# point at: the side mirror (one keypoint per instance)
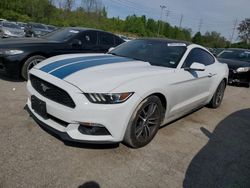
(110, 49)
(76, 43)
(196, 67)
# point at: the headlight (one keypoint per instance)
(243, 69)
(7, 32)
(10, 52)
(108, 98)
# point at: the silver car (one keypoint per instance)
(10, 29)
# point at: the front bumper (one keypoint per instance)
(238, 78)
(11, 65)
(114, 117)
(62, 135)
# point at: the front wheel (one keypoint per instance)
(218, 95)
(29, 64)
(144, 123)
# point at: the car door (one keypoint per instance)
(192, 88)
(106, 41)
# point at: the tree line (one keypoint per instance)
(92, 13)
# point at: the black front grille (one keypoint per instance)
(51, 91)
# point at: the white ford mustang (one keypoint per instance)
(125, 95)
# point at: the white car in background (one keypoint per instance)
(127, 94)
(10, 29)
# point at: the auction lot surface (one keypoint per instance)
(209, 148)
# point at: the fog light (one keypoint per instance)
(93, 129)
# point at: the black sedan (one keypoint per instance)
(18, 56)
(238, 61)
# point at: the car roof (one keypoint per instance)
(86, 28)
(167, 40)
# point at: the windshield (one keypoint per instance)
(158, 53)
(61, 35)
(240, 55)
(39, 26)
(11, 25)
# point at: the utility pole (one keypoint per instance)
(181, 21)
(167, 15)
(160, 23)
(200, 25)
(234, 28)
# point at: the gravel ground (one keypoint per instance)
(208, 148)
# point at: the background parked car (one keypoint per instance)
(51, 28)
(217, 51)
(36, 30)
(1, 19)
(22, 25)
(10, 29)
(17, 56)
(238, 61)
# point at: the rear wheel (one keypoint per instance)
(29, 64)
(218, 95)
(144, 123)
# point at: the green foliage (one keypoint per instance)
(244, 30)
(197, 38)
(211, 39)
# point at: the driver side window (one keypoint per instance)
(89, 38)
(199, 56)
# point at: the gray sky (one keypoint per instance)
(216, 15)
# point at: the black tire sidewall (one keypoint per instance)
(213, 103)
(24, 72)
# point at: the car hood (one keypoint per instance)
(21, 42)
(99, 72)
(234, 64)
(42, 30)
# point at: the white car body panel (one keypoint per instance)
(183, 90)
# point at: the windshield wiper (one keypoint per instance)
(112, 53)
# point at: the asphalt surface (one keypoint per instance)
(208, 148)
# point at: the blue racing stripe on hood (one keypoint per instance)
(70, 69)
(57, 64)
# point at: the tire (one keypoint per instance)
(144, 123)
(29, 63)
(218, 95)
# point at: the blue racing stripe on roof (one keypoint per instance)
(70, 69)
(59, 63)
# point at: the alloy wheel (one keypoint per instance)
(147, 122)
(220, 93)
(33, 63)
